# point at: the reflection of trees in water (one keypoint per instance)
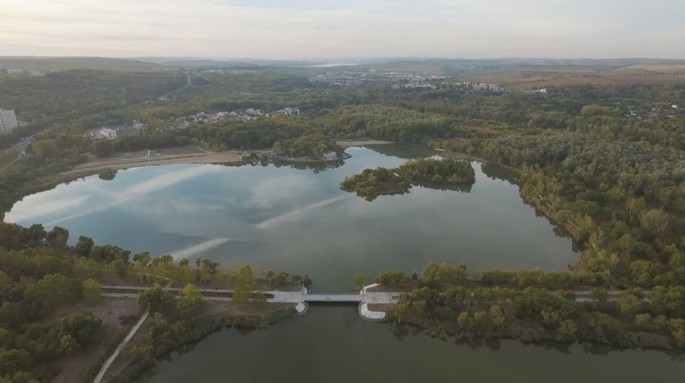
(404, 151)
(402, 331)
(315, 166)
(463, 188)
(497, 172)
(107, 175)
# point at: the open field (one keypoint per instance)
(602, 74)
(656, 68)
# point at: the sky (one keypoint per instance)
(314, 29)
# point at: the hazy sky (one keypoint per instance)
(349, 28)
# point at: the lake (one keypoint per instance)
(299, 220)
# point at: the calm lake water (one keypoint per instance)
(299, 220)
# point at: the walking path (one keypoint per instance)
(120, 347)
(10, 164)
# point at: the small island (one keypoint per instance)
(442, 174)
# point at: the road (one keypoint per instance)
(19, 147)
(10, 164)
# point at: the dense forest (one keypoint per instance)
(605, 163)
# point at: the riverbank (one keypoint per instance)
(532, 332)
(173, 156)
(188, 155)
(347, 143)
(148, 346)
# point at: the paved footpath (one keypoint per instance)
(120, 347)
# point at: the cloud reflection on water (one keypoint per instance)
(117, 198)
(199, 248)
(291, 215)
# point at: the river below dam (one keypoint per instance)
(332, 344)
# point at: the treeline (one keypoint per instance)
(535, 306)
(384, 122)
(442, 276)
(621, 202)
(310, 146)
(446, 174)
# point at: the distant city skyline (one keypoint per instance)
(307, 29)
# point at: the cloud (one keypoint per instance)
(308, 28)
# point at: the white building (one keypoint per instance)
(107, 133)
(288, 111)
(254, 112)
(8, 121)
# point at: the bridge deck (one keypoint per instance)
(332, 298)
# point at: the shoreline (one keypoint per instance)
(347, 143)
(120, 164)
(202, 157)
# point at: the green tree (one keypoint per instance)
(189, 303)
(85, 268)
(12, 361)
(103, 148)
(155, 299)
(243, 280)
(358, 281)
(431, 273)
(58, 238)
(464, 321)
(628, 303)
(68, 345)
(120, 268)
(599, 294)
(45, 148)
(92, 291)
(83, 327)
(83, 246)
(567, 330)
(643, 320)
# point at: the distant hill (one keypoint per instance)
(199, 62)
(49, 64)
